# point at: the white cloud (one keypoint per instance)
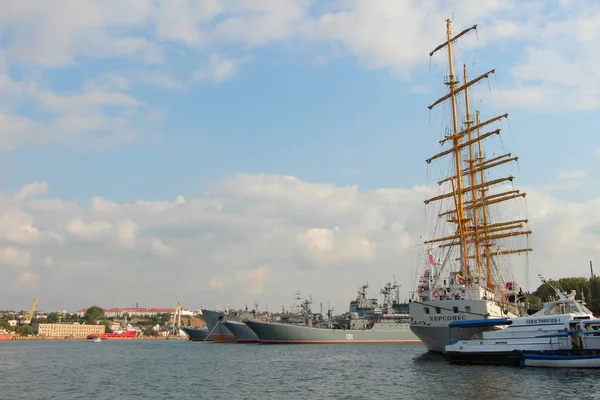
(48, 261)
(89, 98)
(96, 115)
(572, 174)
(317, 239)
(216, 283)
(565, 229)
(555, 72)
(253, 279)
(91, 230)
(17, 227)
(557, 65)
(32, 189)
(113, 81)
(16, 131)
(180, 20)
(161, 249)
(258, 238)
(13, 256)
(298, 229)
(218, 68)
(262, 22)
(127, 232)
(330, 246)
(161, 80)
(27, 278)
(53, 34)
(101, 205)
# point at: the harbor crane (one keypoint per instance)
(26, 319)
(177, 319)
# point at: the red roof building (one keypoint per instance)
(137, 312)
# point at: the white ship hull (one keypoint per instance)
(432, 326)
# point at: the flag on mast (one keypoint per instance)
(430, 257)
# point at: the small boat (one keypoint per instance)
(5, 335)
(123, 333)
(96, 339)
(557, 360)
(562, 328)
(585, 352)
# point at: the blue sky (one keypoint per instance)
(335, 123)
(146, 101)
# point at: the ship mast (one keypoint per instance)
(474, 230)
(482, 193)
(472, 177)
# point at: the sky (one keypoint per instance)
(225, 153)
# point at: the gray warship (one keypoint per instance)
(216, 329)
(241, 331)
(196, 334)
(366, 323)
(226, 326)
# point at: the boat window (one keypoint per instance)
(426, 310)
(455, 309)
(570, 307)
(468, 309)
(438, 310)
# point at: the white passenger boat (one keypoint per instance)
(554, 330)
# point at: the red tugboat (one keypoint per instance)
(126, 333)
(5, 335)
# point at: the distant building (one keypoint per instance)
(77, 331)
(137, 312)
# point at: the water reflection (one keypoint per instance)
(66, 370)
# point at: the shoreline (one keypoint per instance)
(83, 338)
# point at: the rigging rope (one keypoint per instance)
(213, 329)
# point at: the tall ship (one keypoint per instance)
(367, 322)
(467, 273)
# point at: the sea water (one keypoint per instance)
(179, 369)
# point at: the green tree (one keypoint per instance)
(165, 317)
(594, 297)
(53, 318)
(534, 302)
(4, 324)
(148, 331)
(93, 314)
(580, 285)
(106, 326)
(26, 330)
(70, 317)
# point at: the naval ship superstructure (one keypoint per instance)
(366, 322)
